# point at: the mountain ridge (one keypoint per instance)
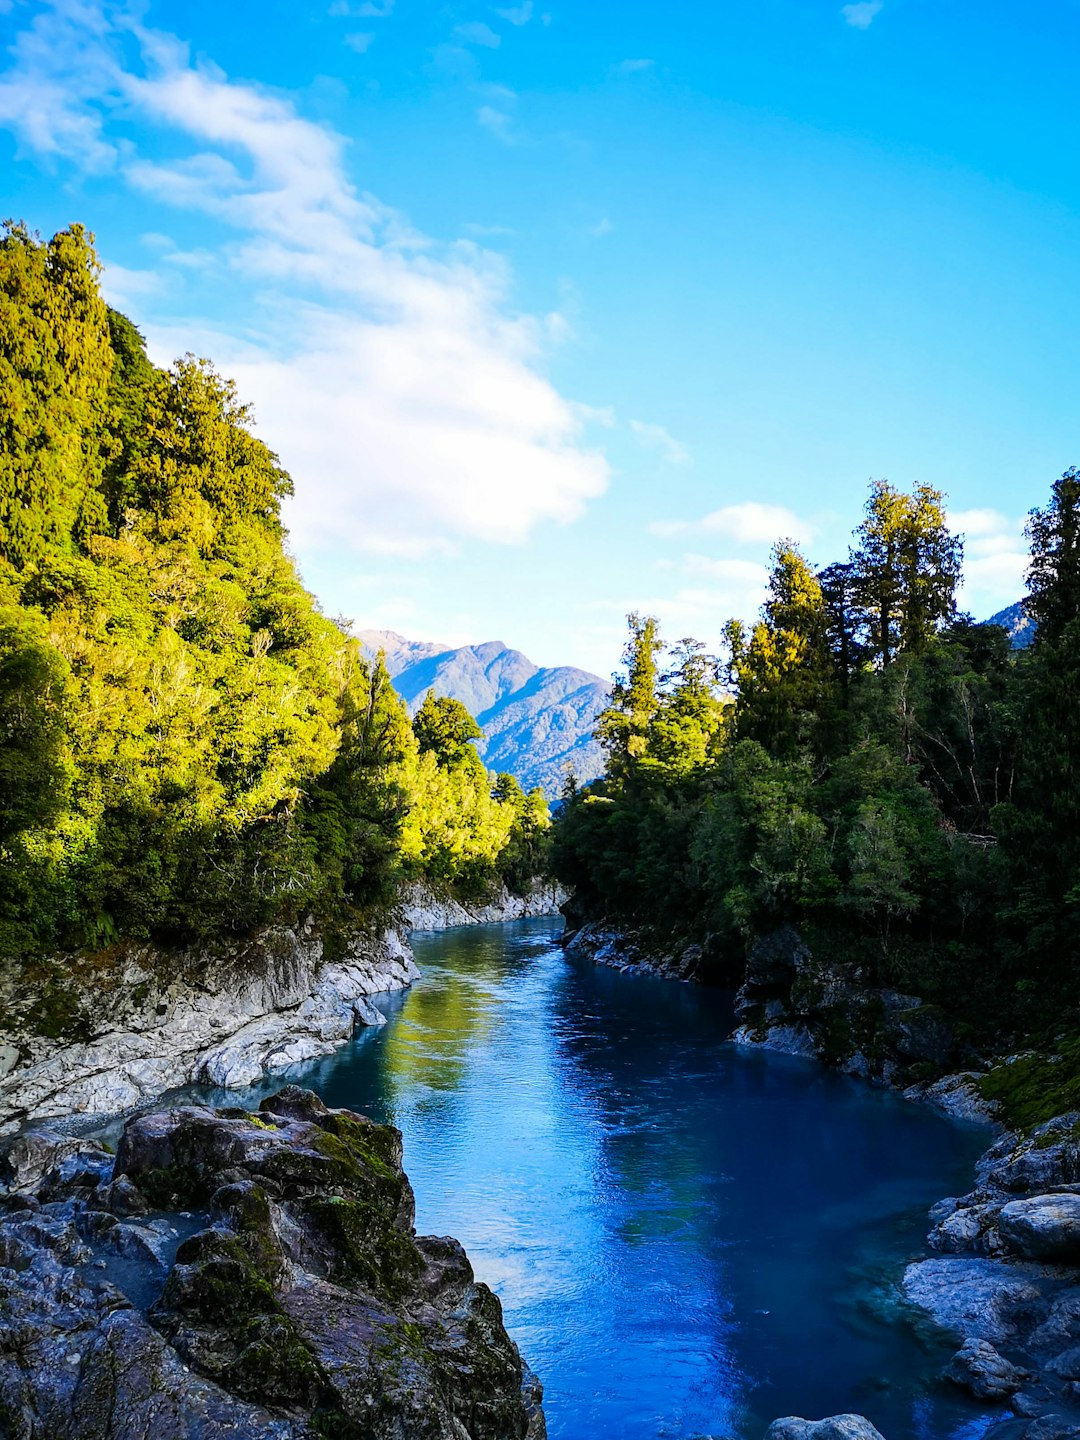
(537, 719)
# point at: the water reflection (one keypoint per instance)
(688, 1239)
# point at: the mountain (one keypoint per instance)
(537, 721)
(1021, 629)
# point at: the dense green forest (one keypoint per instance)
(187, 746)
(864, 763)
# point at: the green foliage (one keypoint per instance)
(891, 778)
(187, 746)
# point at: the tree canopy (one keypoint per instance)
(187, 746)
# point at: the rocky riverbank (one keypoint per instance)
(797, 1002)
(422, 908)
(132, 1023)
(102, 1034)
(631, 952)
(255, 1275)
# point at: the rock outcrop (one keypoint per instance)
(149, 1022)
(797, 1002)
(421, 908)
(625, 950)
(835, 1427)
(251, 1275)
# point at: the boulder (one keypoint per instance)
(305, 1306)
(978, 1368)
(981, 1299)
(835, 1427)
(1043, 1227)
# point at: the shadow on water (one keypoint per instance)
(688, 1239)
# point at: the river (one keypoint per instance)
(689, 1239)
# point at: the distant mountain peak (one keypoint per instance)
(537, 721)
(1016, 622)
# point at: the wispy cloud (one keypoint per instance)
(362, 9)
(517, 14)
(389, 373)
(655, 437)
(487, 231)
(475, 32)
(749, 523)
(360, 40)
(497, 121)
(632, 67)
(861, 14)
(602, 227)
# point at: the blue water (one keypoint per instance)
(688, 1239)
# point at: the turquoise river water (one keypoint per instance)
(689, 1239)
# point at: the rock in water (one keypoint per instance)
(978, 1368)
(835, 1427)
(306, 1306)
(1043, 1227)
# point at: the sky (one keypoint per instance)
(557, 309)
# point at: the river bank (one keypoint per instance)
(94, 1035)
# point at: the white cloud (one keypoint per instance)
(748, 523)
(475, 32)
(655, 437)
(497, 121)
(517, 14)
(126, 289)
(360, 40)
(402, 392)
(861, 13)
(602, 227)
(632, 67)
(698, 609)
(995, 559)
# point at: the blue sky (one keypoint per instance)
(555, 310)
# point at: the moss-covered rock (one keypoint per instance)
(309, 1294)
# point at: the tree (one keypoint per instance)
(907, 566)
(55, 364)
(444, 728)
(1053, 577)
(784, 670)
(839, 593)
(623, 726)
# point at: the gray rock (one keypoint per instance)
(1067, 1364)
(980, 1299)
(267, 1005)
(835, 1427)
(978, 1368)
(1053, 1427)
(28, 1158)
(306, 1304)
(1061, 1326)
(1045, 1159)
(1042, 1227)
(422, 909)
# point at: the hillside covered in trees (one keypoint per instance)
(187, 746)
(891, 778)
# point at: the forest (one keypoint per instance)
(866, 764)
(188, 747)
